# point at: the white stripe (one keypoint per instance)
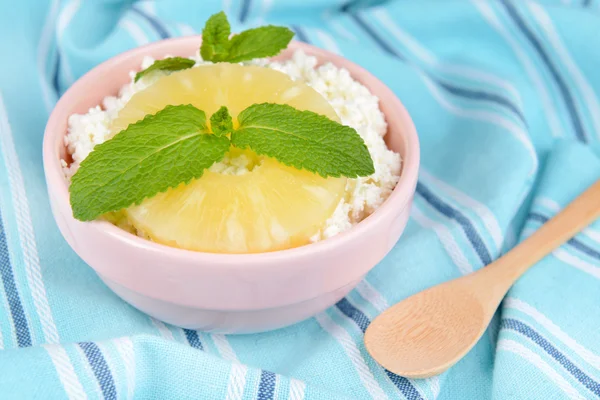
(549, 110)
(227, 6)
(26, 233)
(408, 41)
(446, 238)
(585, 354)
(224, 348)
(343, 32)
(488, 117)
(42, 55)
(345, 340)
(186, 30)
(124, 346)
(429, 58)
(370, 294)
(548, 203)
(540, 364)
(327, 40)
(147, 6)
(592, 234)
(237, 381)
(487, 216)
(590, 99)
(554, 207)
(90, 373)
(577, 262)
(65, 371)
(434, 384)
(64, 18)
(163, 329)
(277, 389)
(265, 7)
(136, 33)
(296, 389)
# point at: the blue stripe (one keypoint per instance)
(266, 386)
(362, 321)
(462, 92)
(404, 385)
(574, 242)
(300, 34)
(538, 217)
(567, 364)
(353, 313)
(56, 76)
(562, 86)
(483, 96)
(193, 339)
(244, 10)
(158, 26)
(459, 217)
(12, 294)
(357, 4)
(100, 369)
(375, 37)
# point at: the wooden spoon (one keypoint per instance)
(430, 331)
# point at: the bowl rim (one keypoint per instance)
(400, 196)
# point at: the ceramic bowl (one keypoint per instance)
(227, 293)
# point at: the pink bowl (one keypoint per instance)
(228, 293)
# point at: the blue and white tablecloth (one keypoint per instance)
(505, 96)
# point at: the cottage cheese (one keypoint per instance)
(353, 102)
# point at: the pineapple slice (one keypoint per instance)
(271, 207)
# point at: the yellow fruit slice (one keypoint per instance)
(272, 207)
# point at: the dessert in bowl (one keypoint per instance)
(219, 282)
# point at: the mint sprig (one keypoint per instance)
(217, 46)
(175, 146)
(265, 41)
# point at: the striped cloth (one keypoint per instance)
(505, 96)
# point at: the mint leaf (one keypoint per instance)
(167, 64)
(150, 156)
(266, 41)
(221, 122)
(215, 38)
(304, 140)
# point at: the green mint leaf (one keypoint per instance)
(266, 41)
(154, 154)
(167, 64)
(221, 122)
(303, 139)
(215, 38)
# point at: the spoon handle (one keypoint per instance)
(562, 227)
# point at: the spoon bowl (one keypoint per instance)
(437, 326)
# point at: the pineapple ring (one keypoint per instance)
(272, 207)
